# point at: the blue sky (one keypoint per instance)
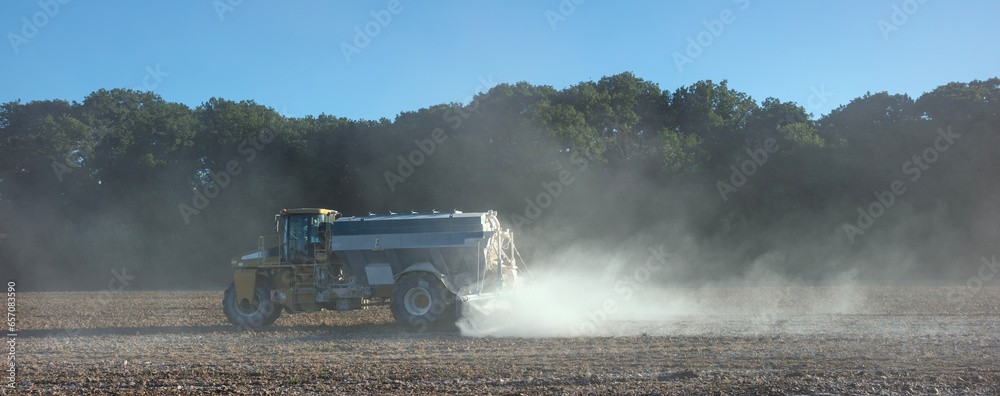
(288, 55)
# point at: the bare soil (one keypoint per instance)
(888, 340)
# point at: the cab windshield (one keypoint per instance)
(301, 233)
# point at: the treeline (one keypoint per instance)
(887, 186)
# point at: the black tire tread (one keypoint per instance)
(265, 316)
(441, 300)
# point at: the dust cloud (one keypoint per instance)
(587, 291)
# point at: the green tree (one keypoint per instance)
(717, 115)
(869, 114)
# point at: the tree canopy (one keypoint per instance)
(125, 179)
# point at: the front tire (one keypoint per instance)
(420, 299)
(261, 312)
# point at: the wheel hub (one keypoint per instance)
(417, 301)
(247, 307)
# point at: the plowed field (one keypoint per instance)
(890, 340)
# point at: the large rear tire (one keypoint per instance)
(420, 299)
(261, 312)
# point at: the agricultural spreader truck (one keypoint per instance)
(424, 266)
